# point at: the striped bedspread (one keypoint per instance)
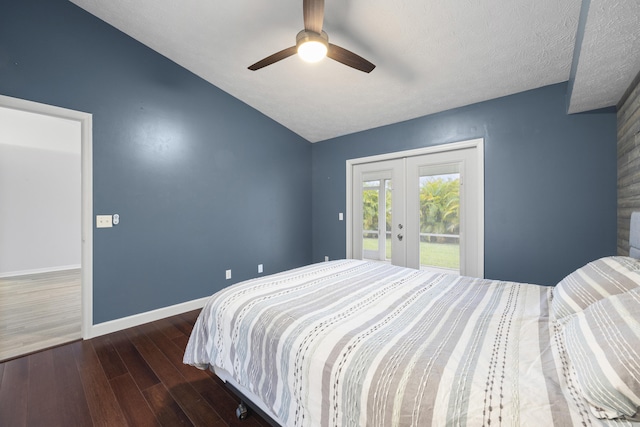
(355, 343)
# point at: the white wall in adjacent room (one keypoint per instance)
(40, 193)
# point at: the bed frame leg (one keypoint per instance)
(242, 411)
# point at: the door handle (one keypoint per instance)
(400, 236)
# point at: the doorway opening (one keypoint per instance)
(47, 243)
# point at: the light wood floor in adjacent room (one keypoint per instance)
(38, 311)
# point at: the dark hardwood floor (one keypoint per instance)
(133, 377)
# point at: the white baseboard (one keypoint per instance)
(39, 270)
(142, 318)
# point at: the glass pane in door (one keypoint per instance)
(440, 222)
(387, 233)
(370, 210)
(376, 220)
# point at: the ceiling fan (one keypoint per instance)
(312, 44)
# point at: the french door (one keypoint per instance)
(379, 211)
(421, 211)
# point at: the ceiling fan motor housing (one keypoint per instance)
(305, 36)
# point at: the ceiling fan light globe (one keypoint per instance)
(312, 51)
(311, 46)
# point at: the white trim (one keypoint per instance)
(480, 184)
(348, 210)
(86, 126)
(40, 270)
(471, 143)
(142, 318)
(477, 143)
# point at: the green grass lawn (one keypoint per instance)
(444, 255)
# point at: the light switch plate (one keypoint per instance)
(104, 221)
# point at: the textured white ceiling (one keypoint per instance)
(431, 55)
(609, 57)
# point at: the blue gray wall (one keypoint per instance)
(550, 181)
(202, 182)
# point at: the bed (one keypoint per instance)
(357, 343)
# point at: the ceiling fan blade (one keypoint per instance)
(313, 11)
(349, 58)
(278, 56)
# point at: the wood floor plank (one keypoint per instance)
(180, 324)
(196, 408)
(109, 357)
(184, 324)
(13, 393)
(140, 371)
(42, 407)
(172, 352)
(68, 387)
(189, 316)
(168, 328)
(167, 411)
(133, 404)
(214, 392)
(199, 411)
(156, 360)
(181, 342)
(218, 396)
(103, 406)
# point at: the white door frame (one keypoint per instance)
(472, 143)
(86, 123)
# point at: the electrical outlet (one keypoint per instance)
(104, 221)
(260, 268)
(228, 274)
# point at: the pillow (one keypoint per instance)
(603, 347)
(593, 282)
